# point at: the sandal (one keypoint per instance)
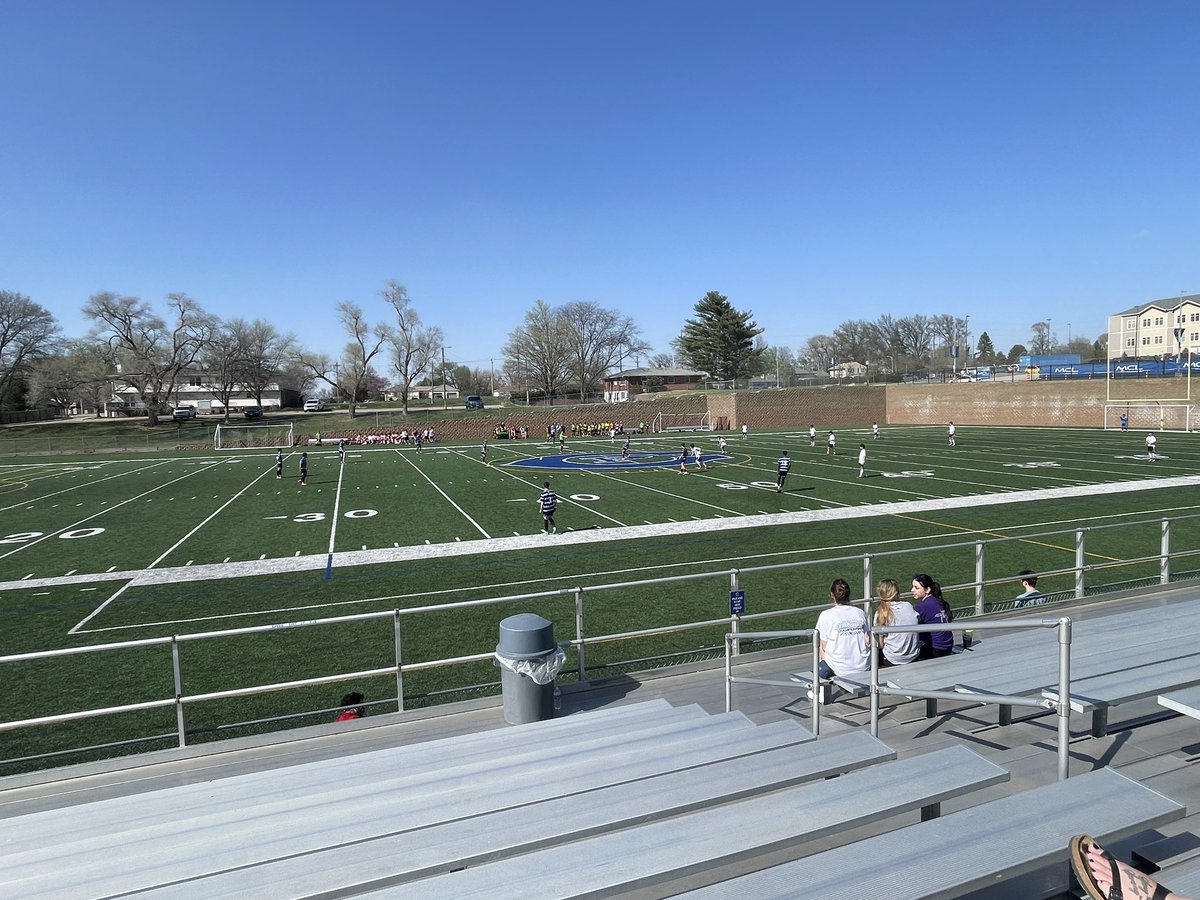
(1080, 847)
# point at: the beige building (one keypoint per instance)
(1158, 328)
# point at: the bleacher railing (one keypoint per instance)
(1163, 565)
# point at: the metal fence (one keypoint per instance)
(975, 595)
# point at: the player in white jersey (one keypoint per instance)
(874, 431)
(950, 434)
(862, 460)
(812, 435)
(831, 445)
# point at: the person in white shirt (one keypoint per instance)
(812, 435)
(843, 630)
(831, 445)
(874, 431)
(862, 460)
(1152, 447)
(950, 434)
(897, 649)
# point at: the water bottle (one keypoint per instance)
(557, 699)
(967, 639)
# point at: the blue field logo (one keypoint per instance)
(639, 459)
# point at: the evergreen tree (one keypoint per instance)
(720, 339)
(985, 353)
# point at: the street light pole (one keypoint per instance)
(444, 407)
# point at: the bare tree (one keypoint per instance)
(223, 362)
(1043, 340)
(819, 353)
(267, 353)
(597, 339)
(413, 346)
(537, 353)
(916, 337)
(27, 333)
(81, 376)
(150, 351)
(662, 361)
(364, 345)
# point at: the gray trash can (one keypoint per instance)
(528, 659)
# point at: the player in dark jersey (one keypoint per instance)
(549, 503)
(782, 467)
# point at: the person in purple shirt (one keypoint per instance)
(932, 610)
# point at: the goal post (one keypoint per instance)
(1150, 415)
(242, 437)
(664, 422)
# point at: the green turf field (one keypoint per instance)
(119, 548)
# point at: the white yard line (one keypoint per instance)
(99, 609)
(102, 512)
(337, 502)
(87, 484)
(435, 486)
(208, 519)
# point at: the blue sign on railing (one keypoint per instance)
(737, 603)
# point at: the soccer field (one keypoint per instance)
(118, 548)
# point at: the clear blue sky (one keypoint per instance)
(813, 161)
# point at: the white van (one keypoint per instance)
(316, 404)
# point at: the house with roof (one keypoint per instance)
(631, 382)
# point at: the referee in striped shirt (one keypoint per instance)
(783, 466)
(549, 502)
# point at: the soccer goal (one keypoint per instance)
(682, 422)
(1150, 416)
(240, 437)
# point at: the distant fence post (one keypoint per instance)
(180, 715)
(581, 667)
(734, 621)
(979, 569)
(868, 576)
(1164, 562)
(399, 656)
(1079, 562)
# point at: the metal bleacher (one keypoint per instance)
(643, 787)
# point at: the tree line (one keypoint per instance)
(554, 351)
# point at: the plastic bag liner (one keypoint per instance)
(541, 670)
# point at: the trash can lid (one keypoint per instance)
(526, 636)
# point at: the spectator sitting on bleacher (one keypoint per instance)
(353, 707)
(931, 610)
(897, 649)
(1105, 877)
(843, 631)
(1032, 596)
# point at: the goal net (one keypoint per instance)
(239, 437)
(1150, 416)
(681, 422)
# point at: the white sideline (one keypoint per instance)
(318, 562)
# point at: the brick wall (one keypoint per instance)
(1078, 403)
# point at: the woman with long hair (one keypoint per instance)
(932, 610)
(895, 649)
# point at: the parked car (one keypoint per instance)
(474, 402)
(315, 404)
(183, 413)
(252, 412)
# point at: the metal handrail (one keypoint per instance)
(581, 641)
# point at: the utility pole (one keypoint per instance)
(492, 362)
(444, 377)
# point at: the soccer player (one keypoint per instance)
(625, 451)
(812, 435)
(417, 439)
(698, 456)
(782, 467)
(683, 458)
(1152, 447)
(1124, 422)
(342, 450)
(950, 434)
(831, 445)
(721, 444)
(304, 467)
(483, 453)
(862, 460)
(745, 431)
(278, 463)
(874, 431)
(548, 503)
(562, 440)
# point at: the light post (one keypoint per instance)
(1049, 343)
(444, 407)
(967, 341)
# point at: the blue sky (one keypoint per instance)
(813, 161)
